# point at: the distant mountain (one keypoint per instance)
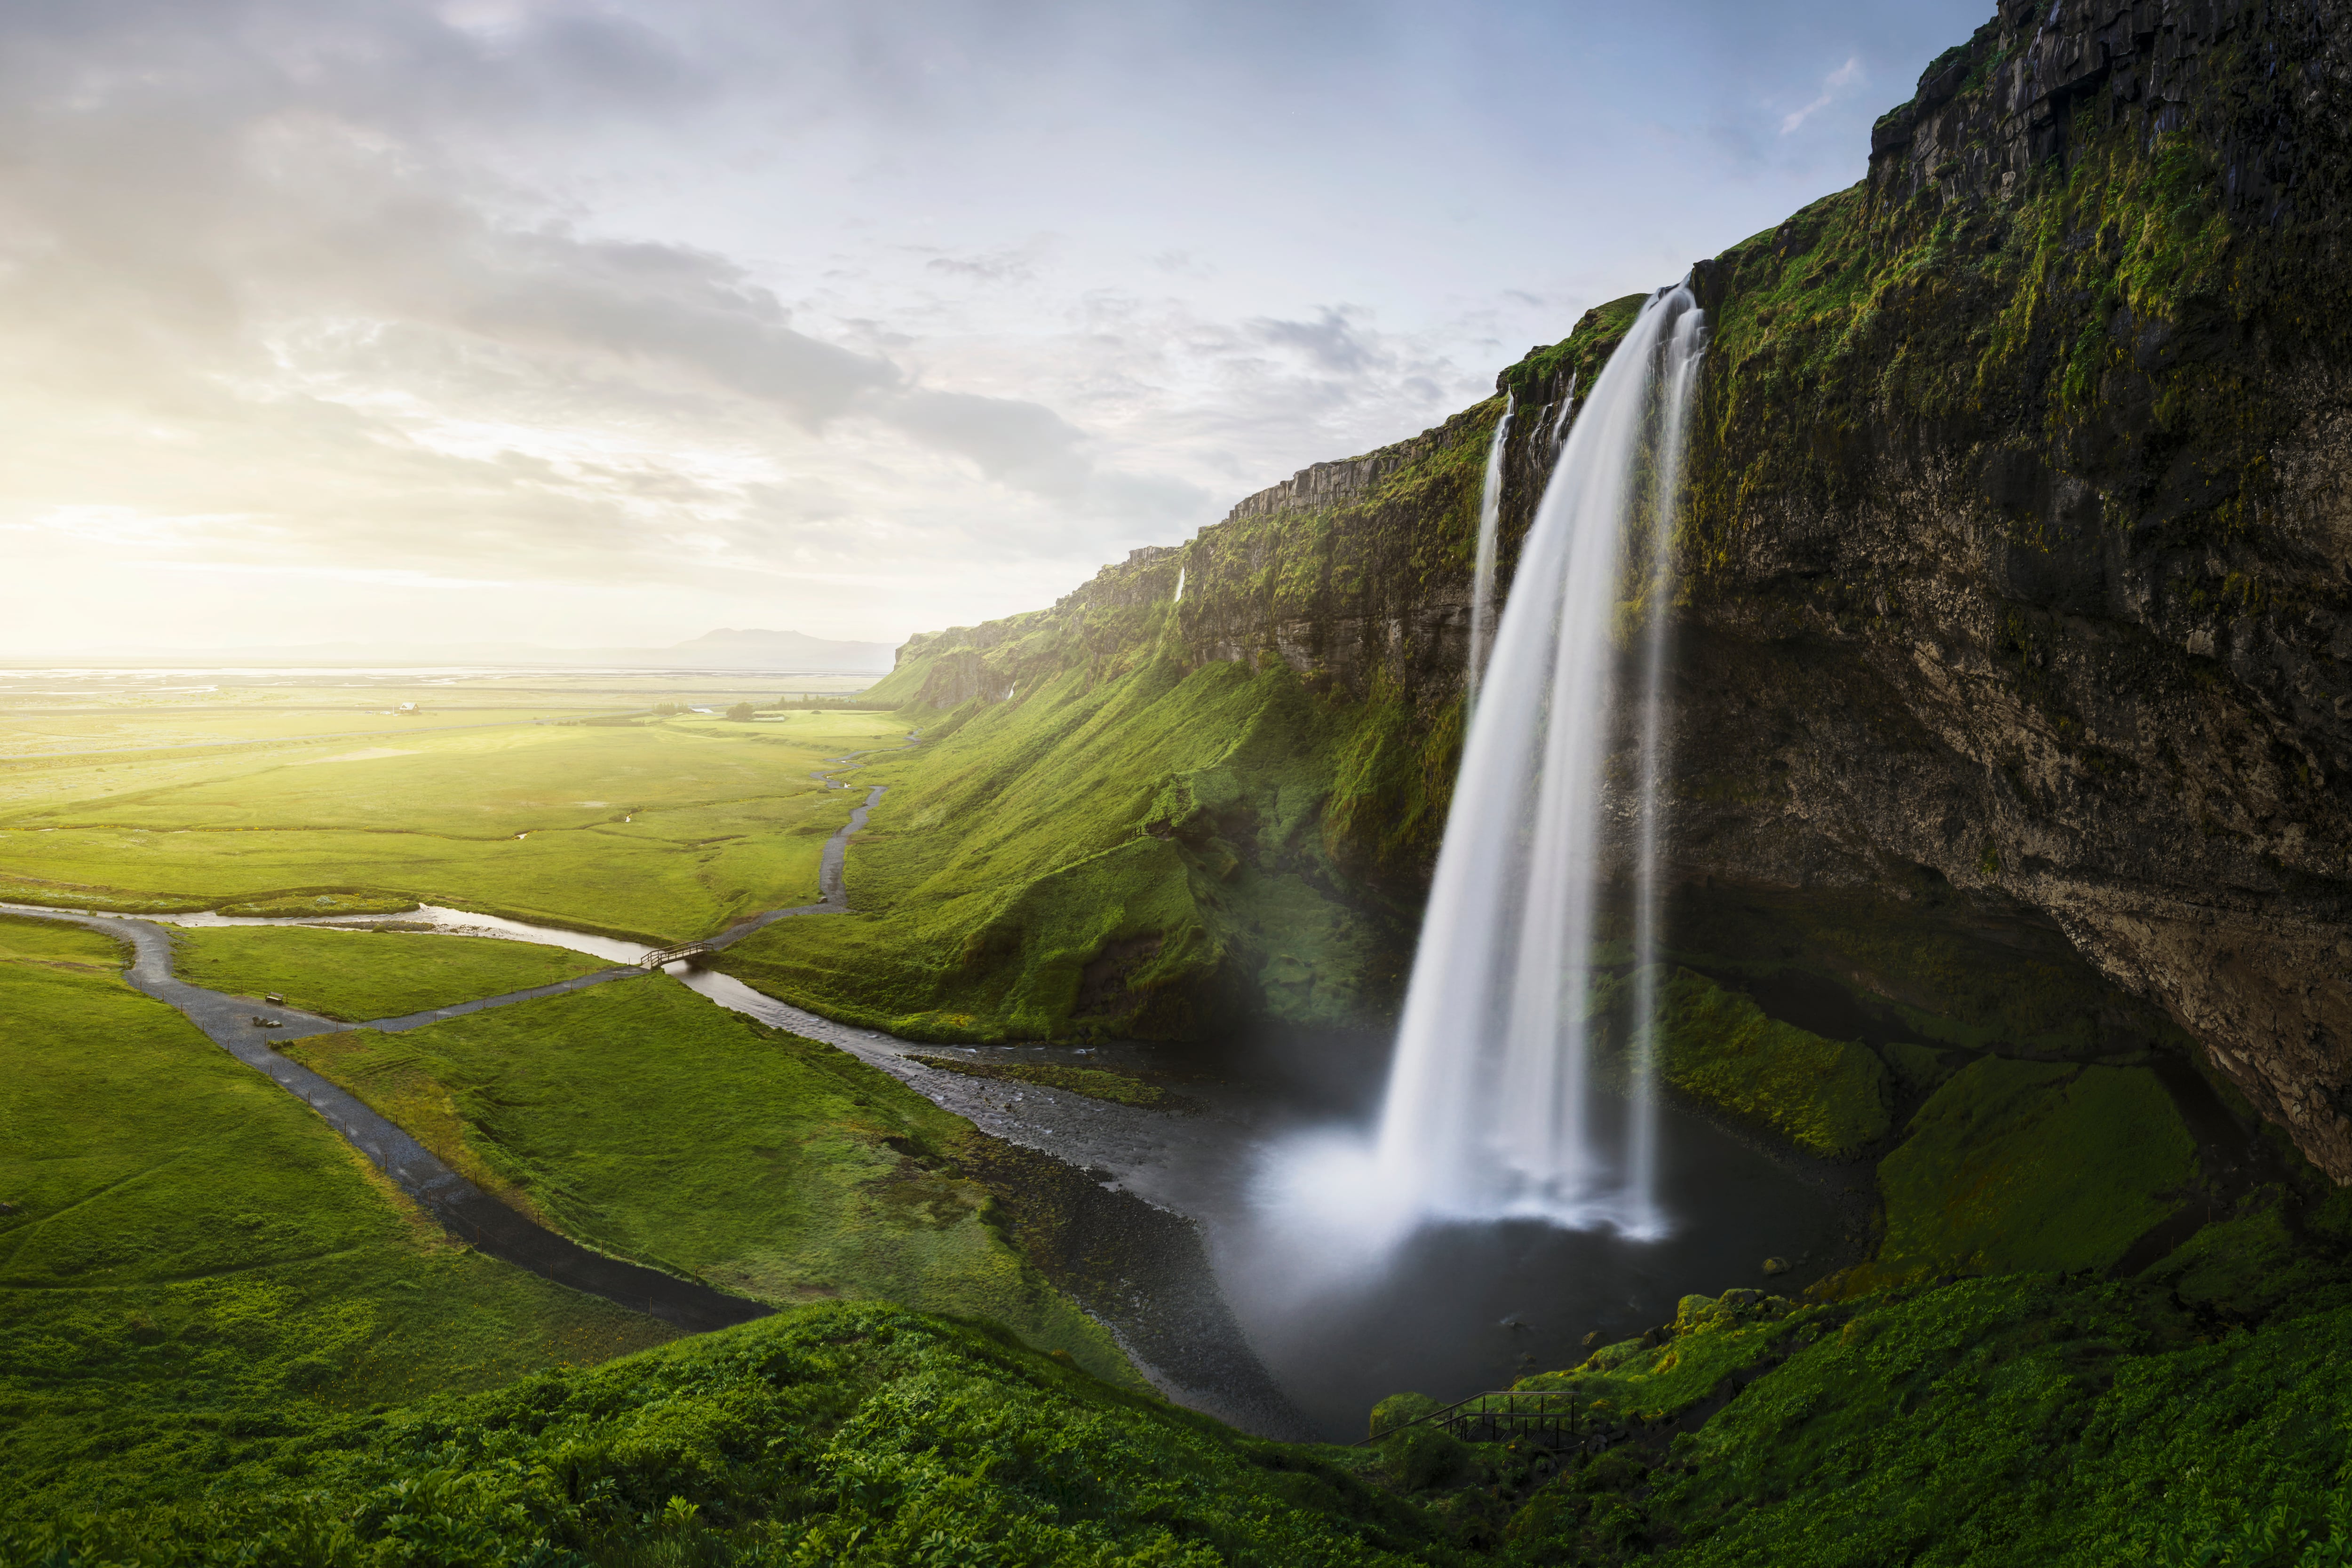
(749, 651)
(731, 648)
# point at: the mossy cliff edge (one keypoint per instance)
(2015, 551)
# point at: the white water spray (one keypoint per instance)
(1490, 1112)
(1179, 587)
(1490, 517)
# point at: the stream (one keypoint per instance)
(1222, 1299)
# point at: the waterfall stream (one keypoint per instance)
(1492, 1110)
(1490, 517)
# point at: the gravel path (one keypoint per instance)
(464, 1209)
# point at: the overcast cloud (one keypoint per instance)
(612, 323)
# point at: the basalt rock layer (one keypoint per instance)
(2015, 554)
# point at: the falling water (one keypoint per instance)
(1490, 517)
(1490, 1109)
(1179, 587)
(1567, 407)
(1682, 350)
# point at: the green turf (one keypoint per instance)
(2031, 1165)
(1828, 1097)
(185, 1245)
(362, 975)
(644, 1121)
(1113, 856)
(662, 831)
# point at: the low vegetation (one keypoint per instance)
(361, 974)
(190, 1260)
(846, 1437)
(643, 1121)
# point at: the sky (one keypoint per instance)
(590, 324)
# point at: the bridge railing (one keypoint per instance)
(1543, 1418)
(660, 956)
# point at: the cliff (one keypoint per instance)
(2014, 563)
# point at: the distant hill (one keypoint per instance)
(731, 648)
(747, 650)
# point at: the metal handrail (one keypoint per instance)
(1444, 1411)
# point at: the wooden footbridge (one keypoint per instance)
(1547, 1419)
(660, 956)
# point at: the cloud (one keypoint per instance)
(1832, 86)
(1000, 266)
(681, 304)
(1331, 342)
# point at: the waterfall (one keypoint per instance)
(1683, 351)
(1179, 587)
(1567, 407)
(1490, 517)
(1490, 1110)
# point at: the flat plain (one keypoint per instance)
(361, 974)
(662, 830)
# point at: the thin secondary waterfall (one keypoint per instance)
(1682, 350)
(1567, 407)
(1490, 517)
(1491, 1109)
(1179, 587)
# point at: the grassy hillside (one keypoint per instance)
(642, 1120)
(189, 1258)
(2030, 1420)
(839, 1436)
(362, 975)
(1137, 850)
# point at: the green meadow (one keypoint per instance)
(361, 975)
(661, 830)
(642, 1120)
(188, 1256)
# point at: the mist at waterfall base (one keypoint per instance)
(1517, 1154)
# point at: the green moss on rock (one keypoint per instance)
(2029, 1165)
(1828, 1097)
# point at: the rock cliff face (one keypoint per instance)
(2018, 550)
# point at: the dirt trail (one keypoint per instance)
(464, 1209)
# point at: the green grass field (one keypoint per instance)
(644, 1121)
(357, 976)
(663, 831)
(186, 1249)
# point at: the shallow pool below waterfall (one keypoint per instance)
(1461, 1309)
